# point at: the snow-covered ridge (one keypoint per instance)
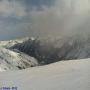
(49, 51)
(10, 60)
(10, 43)
(14, 59)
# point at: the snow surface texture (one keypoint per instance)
(10, 60)
(14, 59)
(63, 75)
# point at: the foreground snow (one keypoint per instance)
(64, 75)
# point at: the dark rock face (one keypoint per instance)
(45, 53)
(49, 52)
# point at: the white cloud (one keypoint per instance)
(8, 8)
(62, 18)
(77, 6)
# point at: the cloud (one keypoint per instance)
(47, 18)
(64, 17)
(20, 7)
(11, 8)
(77, 6)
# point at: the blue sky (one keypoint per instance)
(23, 18)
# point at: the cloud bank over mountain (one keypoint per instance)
(20, 18)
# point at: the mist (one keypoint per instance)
(53, 18)
(66, 17)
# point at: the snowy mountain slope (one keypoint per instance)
(11, 43)
(49, 51)
(10, 60)
(63, 75)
